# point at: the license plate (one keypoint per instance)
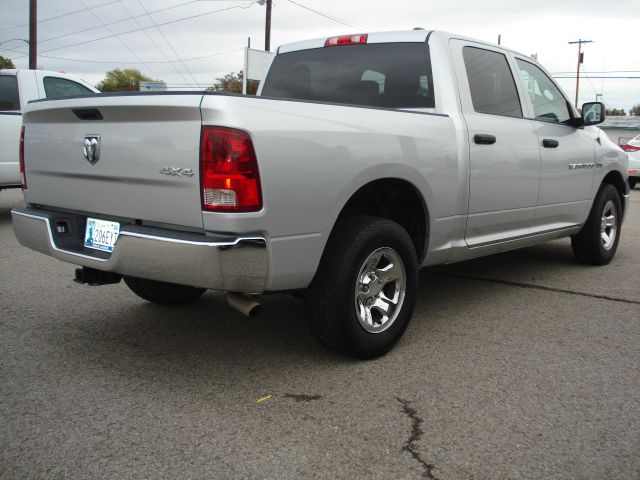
(101, 234)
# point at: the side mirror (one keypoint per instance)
(593, 113)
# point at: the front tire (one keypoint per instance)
(597, 242)
(363, 295)
(163, 293)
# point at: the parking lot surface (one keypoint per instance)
(524, 365)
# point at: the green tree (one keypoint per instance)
(635, 110)
(127, 80)
(616, 112)
(6, 62)
(232, 83)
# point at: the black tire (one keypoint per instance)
(163, 293)
(588, 246)
(331, 300)
(633, 182)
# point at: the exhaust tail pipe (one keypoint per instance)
(94, 277)
(244, 303)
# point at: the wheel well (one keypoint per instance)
(396, 200)
(615, 178)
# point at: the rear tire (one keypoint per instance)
(633, 182)
(597, 242)
(363, 295)
(163, 293)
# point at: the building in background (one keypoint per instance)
(152, 86)
(621, 129)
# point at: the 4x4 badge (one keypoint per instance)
(177, 172)
(91, 148)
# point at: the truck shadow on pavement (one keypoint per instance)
(210, 340)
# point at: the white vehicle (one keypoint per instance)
(364, 158)
(632, 147)
(17, 88)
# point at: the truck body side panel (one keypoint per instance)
(313, 157)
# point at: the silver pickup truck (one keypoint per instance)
(364, 158)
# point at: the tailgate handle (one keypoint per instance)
(88, 113)
(482, 139)
(550, 143)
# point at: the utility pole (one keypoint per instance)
(580, 59)
(33, 34)
(267, 32)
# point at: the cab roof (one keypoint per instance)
(418, 35)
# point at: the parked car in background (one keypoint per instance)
(632, 147)
(17, 88)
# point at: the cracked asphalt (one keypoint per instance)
(524, 365)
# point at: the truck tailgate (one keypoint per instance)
(148, 164)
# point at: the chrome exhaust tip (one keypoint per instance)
(243, 303)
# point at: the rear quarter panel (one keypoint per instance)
(314, 157)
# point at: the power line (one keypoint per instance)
(168, 42)
(117, 35)
(132, 17)
(330, 17)
(600, 72)
(599, 77)
(192, 59)
(68, 34)
(153, 41)
(594, 89)
(144, 28)
(62, 15)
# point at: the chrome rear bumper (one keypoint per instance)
(219, 262)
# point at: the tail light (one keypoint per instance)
(629, 148)
(229, 171)
(633, 171)
(346, 40)
(23, 177)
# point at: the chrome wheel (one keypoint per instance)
(380, 290)
(608, 225)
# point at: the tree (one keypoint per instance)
(127, 80)
(6, 62)
(616, 112)
(232, 83)
(635, 110)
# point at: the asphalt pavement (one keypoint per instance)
(524, 365)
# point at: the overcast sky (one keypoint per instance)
(219, 29)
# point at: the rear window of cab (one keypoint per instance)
(387, 75)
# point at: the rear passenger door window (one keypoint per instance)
(56, 87)
(9, 97)
(493, 89)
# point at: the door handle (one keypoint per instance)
(550, 143)
(483, 139)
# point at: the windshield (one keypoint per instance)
(391, 75)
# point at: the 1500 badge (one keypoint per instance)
(177, 172)
(578, 166)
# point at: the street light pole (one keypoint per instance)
(33, 34)
(580, 58)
